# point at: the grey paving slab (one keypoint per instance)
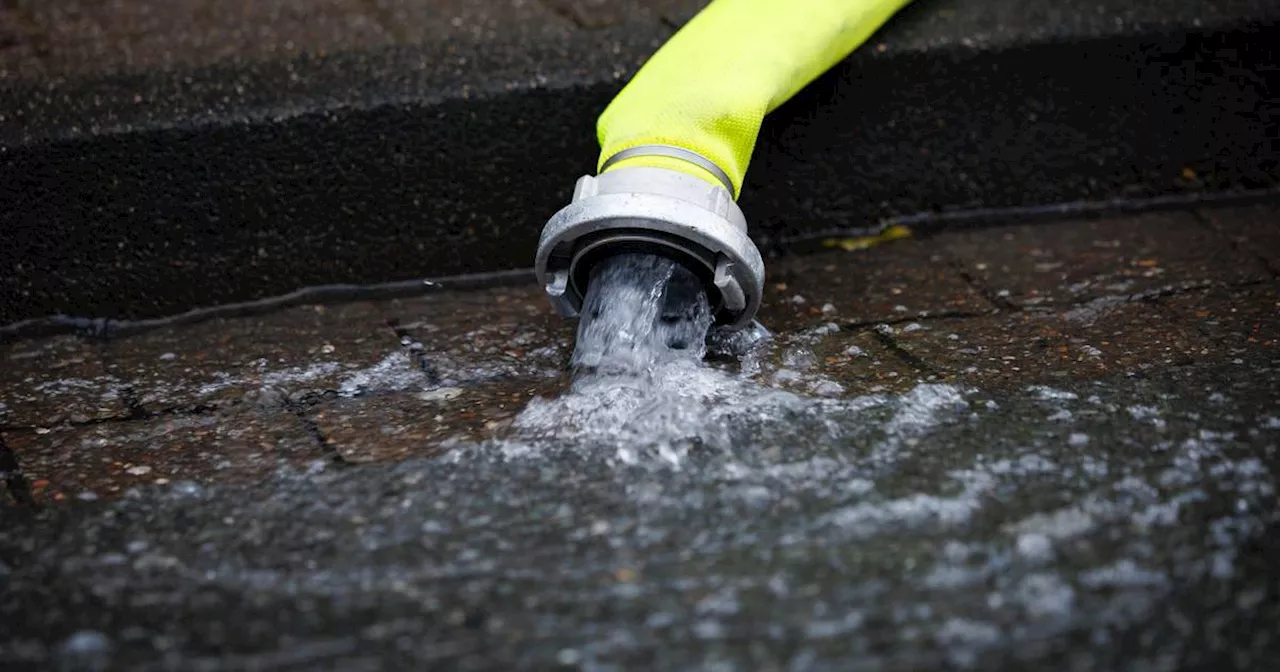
(1076, 262)
(50, 381)
(71, 464)
(891, 282)
(1252, 229)
(295, 353)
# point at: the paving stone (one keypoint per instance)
(1029, 347)
(597, 14)
(83, 36)
(87, 35)
(104, 460)
(1004, 350)
(894, 281)
(297, 351)
(399, 426)
(465, 338)
(1254, 229)
(1241, 319)
(50, 381)
(1139, 336)
(856, 362)
(1073, 262)
(394, 379)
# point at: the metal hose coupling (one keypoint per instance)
(656, 211)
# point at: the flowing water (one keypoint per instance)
(641, 311)
(642, 391)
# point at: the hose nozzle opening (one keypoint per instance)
(653, 211)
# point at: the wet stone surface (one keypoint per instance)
(999, 350)
(1252, 230)
(1246, 319)
(43, 383)
(977, 481)
(900, 281)
(1029, 266)
(91, 462)
(828, 361)
(399, 426)
(462, 339)
(297, 352)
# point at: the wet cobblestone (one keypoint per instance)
(67, 464)
(830, 362)
(296, 352)
(399, 426)
(897, 281)
(56, 380)
(1033, 266)
(1252, 229)
(1243, 319)
(1005, 350)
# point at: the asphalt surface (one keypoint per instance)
(1029, 447)
(161, 156)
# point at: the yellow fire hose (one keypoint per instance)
(708, 88)
(675, 144)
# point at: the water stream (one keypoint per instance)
(643, 393)
(641, 311)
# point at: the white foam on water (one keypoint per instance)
(636, 399)
(394, 373)
(1123, 574)
(1045, 393)
(65, 386)
(266, 377)
(402, 371)
(1045, 595)
(678, 406)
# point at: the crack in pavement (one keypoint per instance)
(991, 297)
(1208, 222)
(328, 447)
(923, 316)
(415, 351)
(570, 11)
(884, 335)
(15, 480)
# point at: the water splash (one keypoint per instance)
(642, 394)
(640, 384)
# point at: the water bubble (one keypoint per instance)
(186, 489)
(1034, 546)
(85, 651)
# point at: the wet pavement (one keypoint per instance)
(1018, 447)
